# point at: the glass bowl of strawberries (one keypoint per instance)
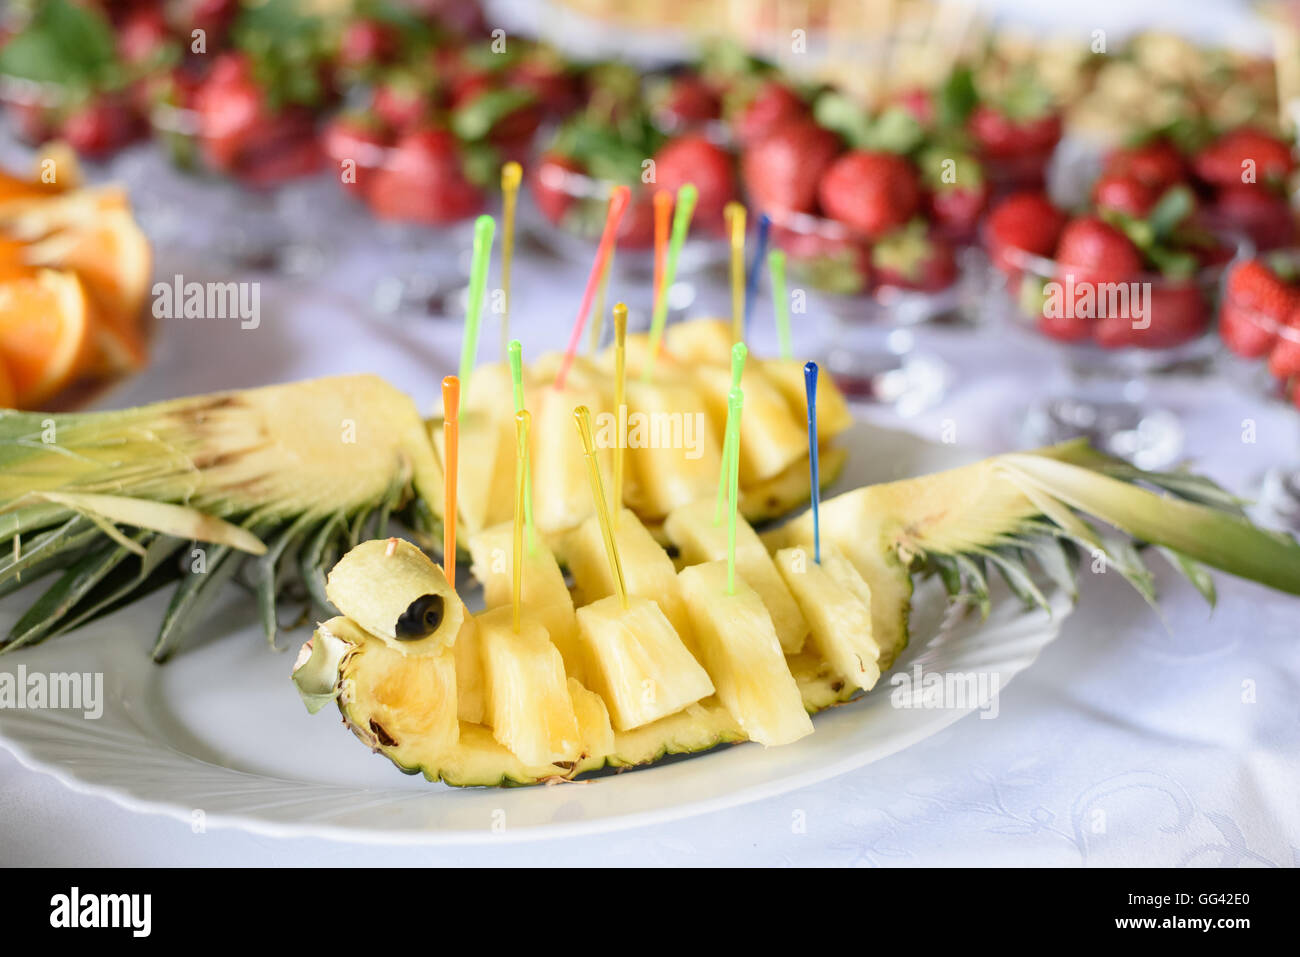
(1123, 290)
(1259, 327)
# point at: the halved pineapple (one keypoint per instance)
(837, 603)
(526, 690)
(693, 531)
(545, 596)
(648, 572)
(636, 662)
(743, 656)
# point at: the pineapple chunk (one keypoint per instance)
(403, 698)
(490, 403)
(544, 595)
(477, 451)
(637, 663)
(837, 603)
(771, 438)
(673, 453)
(562, 496)
(594, 729)
(700, 341)
(743, 656)
(691, 528)
(526, 691)
(648, 572)
(790, 490)
(469, 674)
(786, 375)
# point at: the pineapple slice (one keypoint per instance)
(526, 691)
(781, 494)
(470, 699)
(700, 341)
(648, 572)
(771, 439)
(397, 698)
(837, 603)
(477, 464)
(673, 453)
(594, 729)
(743, 656)
(561, 489)
(786, 375)
(489, 401)
(544, 595)
(637, 663)
(692, 530)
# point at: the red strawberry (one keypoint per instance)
(422, 181)
(955, 202)
(1004, 137)
(872, 192)
(359, 140)
(689, 101)
(919, 103)
(1284, 360)
(101, 126)
(1123, 194)
(694, 159)
(1244, 155)
(142, 34)
(231, 111)
(783, 170)
(829, 263)
(401, 102)
(910, 259)
(1257, 211)
(1023, 221)
(289, 151)
(637, 230)
(548, 185)
(548, 78)
(771, 107)
(1176, 313)
(1064, 328)
(1255, 303)
(1157, 164)
(367, 42)
(1094, 251)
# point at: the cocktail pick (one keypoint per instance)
(730, 440)
(582, 416)
(484, 230)
(620, 401)
(598, 314)
(451, 470)
(515, 353)
(735, 213)
(663, 209)
(618, 200)
(735, 406)
(685, 209)
(521, 489)
(814, 468)
(511, 176)
(780, 301)
(755, 264)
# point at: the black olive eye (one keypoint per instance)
(421, 618)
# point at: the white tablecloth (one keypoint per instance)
(1131, 741)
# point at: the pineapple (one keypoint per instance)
(683, 469)
(778, 496)
(637, 663)
(787, 376)
(700, 342)
(771, 439)
(478, 466)
(292, 475)
(648, 572)
(526, 691)
(471, 700)
(392, 590)
(743, 656)
(837, 603)
(595, 732)
(561, 493)
(544, 595)
(693, 531)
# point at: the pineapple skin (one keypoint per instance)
(743, 656)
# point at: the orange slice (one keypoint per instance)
(13, 260)
(31, 218)
(45, 334)
(111, 255)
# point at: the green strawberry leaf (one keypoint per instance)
(1173, 263)
(64, 43)
(956, 99)
(843, 115)
(475, 120)
(1173, 207)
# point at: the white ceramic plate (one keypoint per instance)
(219, 732)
